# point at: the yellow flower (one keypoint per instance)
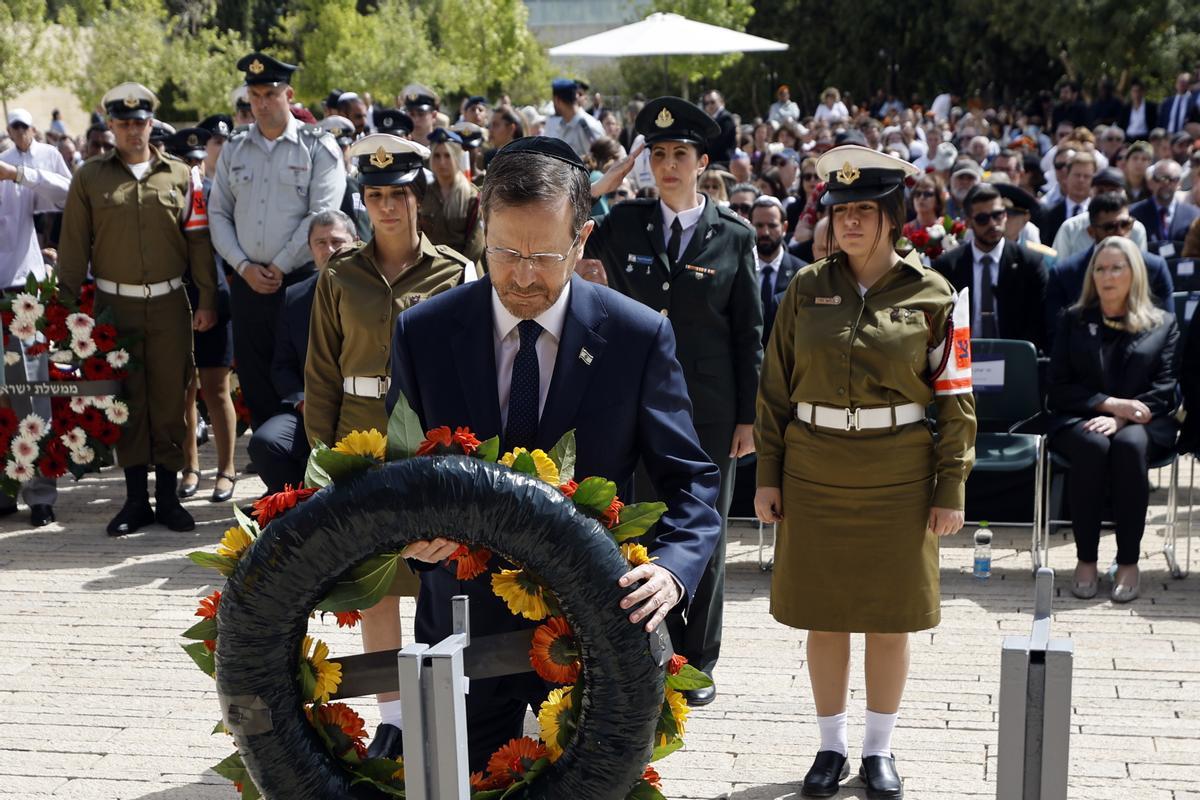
(234, 543)
(398, 775)
(679, 710)
(328, 673)
(523, 596)
(371, 444)
(546, 468)
(556, 718)
(636, 554)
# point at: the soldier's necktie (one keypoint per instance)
(768, 290)
(673, 244)
(987, 300)
(521, 428)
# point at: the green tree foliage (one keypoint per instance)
(487, 47)
(125, 42)
(203, 67)
(22, 47)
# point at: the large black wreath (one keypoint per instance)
(265, 610)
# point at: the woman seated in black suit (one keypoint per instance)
(1112, 388)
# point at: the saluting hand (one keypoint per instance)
(611, 180)
(591, 269)
(945, 521)
(654, 598)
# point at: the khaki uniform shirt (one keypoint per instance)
(831, 346)
(455, 220)
(135, 231)
(350, 333)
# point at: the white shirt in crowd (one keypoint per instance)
(784, 112)
(687, 219)
(940, 107)
(839, 113)
(1073, 236)
(43, 188)
(579, 133)
(1137, 121)
(507, 341)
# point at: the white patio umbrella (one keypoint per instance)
(666, 35)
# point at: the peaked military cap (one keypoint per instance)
(853, 173)
(470, 133)
(546, 146)
(440, 135)
(564, 88)
(420, 98)
(188, 143)
(217, 125)
(393, 120)
(130, 101)
(260, 69)
(341, 128)
(673, 119)
(160, 132)
(239, 98)
(387, 160)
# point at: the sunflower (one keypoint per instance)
(514, 759)
(556, 719)
(470, 562)
(679, 710)
(554, 653)
(328, 673)
(636, 554)
(524, 597)
(371, 444)
(547, 470)
(234, 543)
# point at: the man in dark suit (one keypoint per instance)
(529, 353)
(1007, 281)
(1070, 108)
(1176, 111)
(1166, 219)
(1140, 116)
(1076, 193)
(1108, 215)
(279, 448)
(774, 264)
(720, 147)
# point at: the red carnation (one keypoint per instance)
(934, 251)
(110, 434)
(87, 298)
(92, 421)
(435, 439)
(919, 238)
(105, 337)
(36, 349)
(94, 368)
(958, 228)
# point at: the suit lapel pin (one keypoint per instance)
(585, 356)
(1092, 328)
(708, 235)
(650, 227)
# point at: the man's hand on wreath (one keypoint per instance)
(654, 598)
(430, 550)
(203, 319)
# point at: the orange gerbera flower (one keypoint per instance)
(209, 605)
(471, 562)
(569, 488)
(348, 619)
(481, 784)
(612, 515)
(651, 777)
(675, 664)
(466, 440)
(347, 720)
(515, 758)
(554, 653)
(270, 507)
(438, 437)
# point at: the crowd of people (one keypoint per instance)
(290, 246)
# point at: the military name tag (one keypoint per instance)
(641, 260)
(836, 300)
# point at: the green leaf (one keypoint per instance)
(365, 586)
(563, 456)
(667, 726)
(525, 464)
(233, 768)
(378, 769)
(339, 466)
(204, 629)
(219, 728)
(636, 519)
(247, 523)
(308, 680)
(249, 790)
(205, 659)
(404, 434)
(489, 450)
(644, 791)
(689, 678)
(315, 477)
(595, 494)
(222, 564)
(670, 747)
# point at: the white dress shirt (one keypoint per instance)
(1137, 121)
(43, 188)
(507, 341)
(774, 264)
(688, 219)
(977, 286)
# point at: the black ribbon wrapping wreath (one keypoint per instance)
(266, 604)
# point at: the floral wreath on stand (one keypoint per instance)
(554, 653)
(83, 349)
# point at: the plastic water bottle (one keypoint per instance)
(983, 552)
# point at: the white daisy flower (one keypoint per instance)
(79, 404)
(83, 456)
(74, 438)
(117, 359)
(62, 357)
(32, 426)
(83, 347)
(26, 305)
(118, 413)
(23, 328)
(24, 449)
(102, 401)
(11, 357)
(80, 325)
(18, 471)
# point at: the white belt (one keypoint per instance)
(858, 419)
(144, 290)
(366, 387)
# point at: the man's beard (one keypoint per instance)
(767, 246)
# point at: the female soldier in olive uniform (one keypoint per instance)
(863, 341)
(450, 210)
(358, 297)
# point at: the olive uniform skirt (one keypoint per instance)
(854, 553)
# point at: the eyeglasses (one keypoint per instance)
(505, 258)
(742, 208)
(808, 176)
(1168, 179)
(984, 217)
(1060, 165)
(1119, 225)
(928, 194)
(1115, 270)
(624, 193)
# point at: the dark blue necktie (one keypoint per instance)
(767, 290)
(521, 430)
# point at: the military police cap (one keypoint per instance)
(341, 128)
(160, 132)
(564, 88)
(440, 135)
(546, 146)
(188, 143)
(393, 120)
(130, 101)
(1017, 197)
(387, 160)
(852, 173)
(218, 125)
(470, 133)
(420, 98)
(260, 69)
(673, 119)
(475, 100)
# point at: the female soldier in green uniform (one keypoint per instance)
(358, 297)
(450, 210)
(863, 341)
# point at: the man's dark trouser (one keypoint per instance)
(279, 449)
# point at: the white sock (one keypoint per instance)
(833, 733)
(877, 741)
(389, 713)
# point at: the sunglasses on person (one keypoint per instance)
(1119, 225)
(742, 208)
(808, 176)
(624, 193)
(984, 217)
(1061, 165)
(926, 194)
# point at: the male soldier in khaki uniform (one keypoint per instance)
(138, 216)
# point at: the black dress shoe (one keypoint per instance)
(219, 496)
(701, 697)
(829, 769)
(133, 515)
(187, 490)
(879, 773)
(174, 516)
(388, 742)
(41, 515)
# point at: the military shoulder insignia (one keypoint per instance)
(382, 158)
(848, 174)
(664, 119)
(256, 67)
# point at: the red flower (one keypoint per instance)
(514, 759)
(568, 488)
(554, 652)
(675, 664)
(96, 369)
(57, 331)
(348, 619)
(933, 251)
(435, 439)
(466, 440)
(268, 508)
(110, 434)
(929, 170)
(56, 312)
(92, 421)
(52, 467)
(37, 349)
(87, 298)
(651, 777)
(471, 562)
(919, 238)
(105, 337)
(209, 606)
(910, 181)
(8, 424)
(612, 516)
(958, 228)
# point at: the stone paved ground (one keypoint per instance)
(98, 701)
